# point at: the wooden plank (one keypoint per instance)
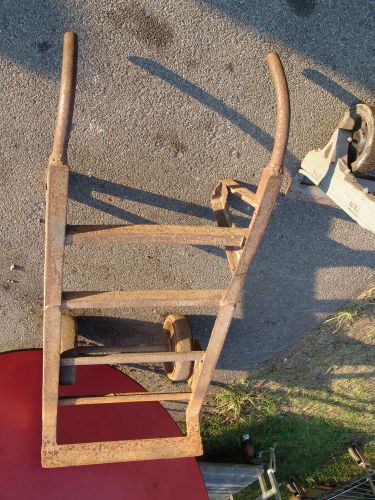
(64, 455)
(154, 234)
(228, 479)
(133, 357)
(140, 298)
(131, 397)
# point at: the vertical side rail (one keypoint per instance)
(266, 195)
(56, 204)
(57, 190)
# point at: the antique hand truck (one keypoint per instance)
(183, 359)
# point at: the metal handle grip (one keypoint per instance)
(66, 100)
(282, 111)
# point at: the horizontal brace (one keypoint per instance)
(133, 357)
(140, 298)
(133, 397)
(63, 455)
(102, 349)
(154, 234)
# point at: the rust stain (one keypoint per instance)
(171, 141)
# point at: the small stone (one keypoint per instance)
(234, 153)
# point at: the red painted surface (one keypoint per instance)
(21, 476)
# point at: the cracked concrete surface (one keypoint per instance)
(171, 97)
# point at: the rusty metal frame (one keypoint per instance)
(240, 244)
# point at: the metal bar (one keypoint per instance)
(134, 397)
(154, 234)
(263, 486)
(65, 455)
(282, 111)
(275, 486)
(66, 100)
(102, 349)
(140, 298)
(57, 192)
(133, 357)
(203, 372)
(266, 196)
(242, 192)
(224, 219)
(56, 203)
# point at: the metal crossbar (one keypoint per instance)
(358, 489)
(58, 332)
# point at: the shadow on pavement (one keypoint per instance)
(330, 86)
(31, 33)
(192, 90)
(314, 29)
(279, 299)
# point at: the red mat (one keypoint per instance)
(21, 476)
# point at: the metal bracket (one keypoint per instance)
(334, 183)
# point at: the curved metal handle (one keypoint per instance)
(66, 100)
(282, 111)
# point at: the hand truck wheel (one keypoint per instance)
(68, 342)
(361, 119)
(178, 331)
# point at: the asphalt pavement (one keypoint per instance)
(171, 97)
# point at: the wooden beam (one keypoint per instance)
(133, 357)
(140, 298)
(63, 455)
(131, 397)
(154, 234)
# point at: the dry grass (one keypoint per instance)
(313, 405)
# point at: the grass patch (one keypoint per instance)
(348, 314)
(313, 402)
